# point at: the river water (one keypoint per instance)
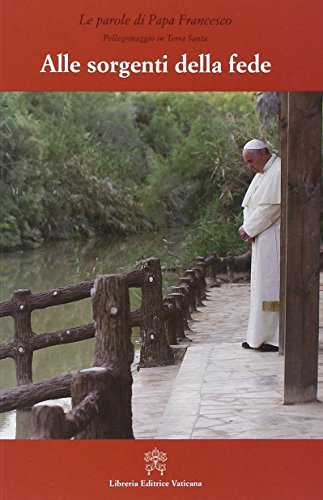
(59, 264)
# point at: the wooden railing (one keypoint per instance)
(162, 322)
(101, 396)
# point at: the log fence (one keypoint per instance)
(101, 396)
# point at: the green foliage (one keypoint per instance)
(20, 164)
(196, 141)
(56, 178)
(214, 233)
(9, 233)
(81, 164)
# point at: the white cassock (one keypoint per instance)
(262, 222)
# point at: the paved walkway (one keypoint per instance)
(221, 391)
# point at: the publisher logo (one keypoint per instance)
(155, 461)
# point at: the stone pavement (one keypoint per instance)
(221, 391)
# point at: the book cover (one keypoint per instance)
(150, 46)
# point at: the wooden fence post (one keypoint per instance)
(230, 266)
(199, 286)
(214, 269)
(111, 313)
(48, 422)
(187, 283)
(184, 289)
(200, 264)
(113, 347)
(179, 302)
(171, 320)
(22, 336)
(112, 419)
(154, 348)
(189, 273)
(184, 304)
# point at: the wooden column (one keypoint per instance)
(283, 115)
(304, 134)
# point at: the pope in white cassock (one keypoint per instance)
(261, 225)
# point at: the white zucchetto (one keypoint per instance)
(255, 144)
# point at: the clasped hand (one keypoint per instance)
(244, 236)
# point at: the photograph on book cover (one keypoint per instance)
(160, 249)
